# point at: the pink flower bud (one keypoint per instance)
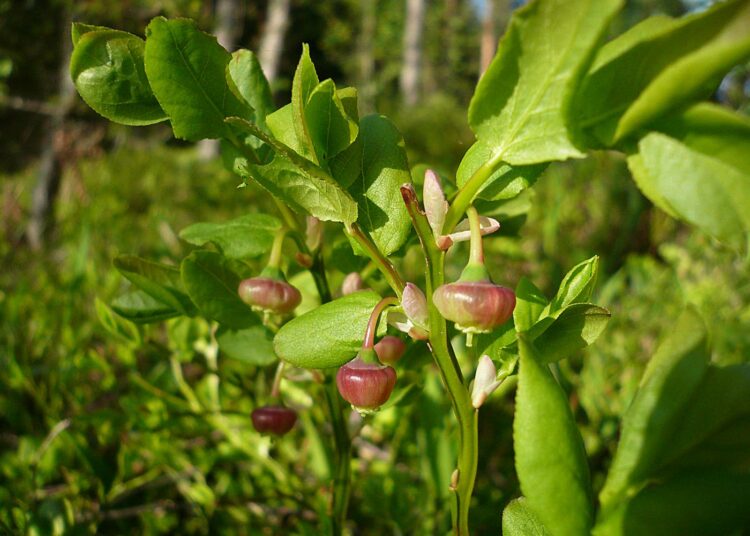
(275, 420)
(352, 283)
(435, 204)
(476, 306)
(366, 386)
(414, 304)
(313, 233)
(485, 381)
(271, 295)
(390, 349)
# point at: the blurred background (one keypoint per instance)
(96, 435)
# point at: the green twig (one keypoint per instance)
(449, 368)
(468, 191)
(381, 261)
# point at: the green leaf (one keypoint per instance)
(519, 111)
(212, 283)
(329, 335)
(672, 376)
(519, 520)
(692, 186)
(139, 307)
(253, 345)
(550, 458)
(576, 287)
(304, 83)
(505, 183)
(77, 29)
(299, 182)
(186, 69)
(530, 302)
(714, 131)
(115, 325)
(658, 66)
(281, 125)
(331, 129)
(108, 71)
(160, 281)
(385, 168)
(700, 503)
(578, 326)
(245, 237)
(246, 80)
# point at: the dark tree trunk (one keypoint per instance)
(41, 220)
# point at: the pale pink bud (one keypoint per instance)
(462, 232)
(313, 233)
(414, 304)
(352, 283)
(435, 204)
(485, 381)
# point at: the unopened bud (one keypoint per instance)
(462, 232)
(485, 381)
(435, 204)
(454, 478)
(313, 233)
(303, 259)
(414, 304)
(352, 283)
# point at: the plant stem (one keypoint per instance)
(466, 194)
(274, 259)
(372, 324)
(342, 445)
(276, 388)
(382, 262)
(450, 371)
(341, 458)
(476, 253)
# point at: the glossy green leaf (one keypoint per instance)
(186, 69)
(304, 83)
(245, 237)
(658, 66)
(253, 345)
(246, 80)
(139, 307)
(329, 335)
(519, 110)
(672, 376)
(160, 281)
(530, 302)
(550, 458)
(505, 183)
(576, 287)
(108, 71)
(577, 326)
(385, 168)
(212, 283)
(714, 131)
(708, 193)
(519, 520)
(299, 182)
(77, 29)
(329, 125)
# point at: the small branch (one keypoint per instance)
(468, 191)
(372, 324)
(384, 265)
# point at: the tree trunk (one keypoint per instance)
(41, 220)
(367, 82)
(410, 69)
(489, 37)
(272, 42)
(228, 22)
